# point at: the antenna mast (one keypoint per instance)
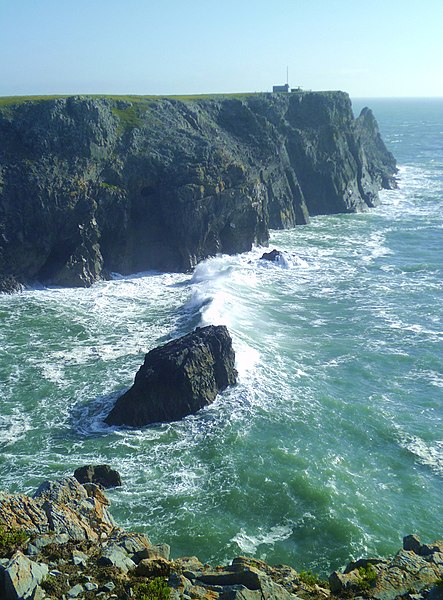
(287, 75)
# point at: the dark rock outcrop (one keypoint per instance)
(92, 185)
(378, 162)
(102, 475)
(273, 256)
(178, 379)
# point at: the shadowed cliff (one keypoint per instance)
(94, 185)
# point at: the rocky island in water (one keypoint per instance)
(90, 186)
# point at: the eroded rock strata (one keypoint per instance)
(63, 543)
(93, 185)
(178, 379)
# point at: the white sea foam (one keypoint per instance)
(13, 427)
(250, 542)
(428, 454)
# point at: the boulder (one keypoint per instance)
(273, 256)
(102, 475)
(178, 379)
(22, 576)
(115, 556)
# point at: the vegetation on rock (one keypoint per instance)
(156, 589)
(11, 539)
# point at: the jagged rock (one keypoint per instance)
(408, 572)
(75, 591)
(135, 545)
(22, 512)
(61, 507)
(273, 256)
(157, 551)
(79, 558)
(153, 567)
(378, 161)
(249, 578)
(91, 185)
(38, 594)
(339, 582)
(10, 285)
(102, 475)
(95, 491)
(90, 587)
(114, 556)
(411, 574)
(22, 576)
(189, 566)
(108, 587)
(69, 510)
(178, 379)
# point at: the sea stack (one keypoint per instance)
(178, 379)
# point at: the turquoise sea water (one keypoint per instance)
(331, 445)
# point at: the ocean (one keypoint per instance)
(331, 445)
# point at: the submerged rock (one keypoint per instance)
(178, 379)
(102, 475)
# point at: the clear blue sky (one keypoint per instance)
(365, 47)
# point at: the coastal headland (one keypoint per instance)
(94, 185)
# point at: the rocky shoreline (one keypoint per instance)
(63, 543)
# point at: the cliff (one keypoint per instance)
(94, 185)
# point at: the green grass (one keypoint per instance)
(156, 589)
(134, 99)
(310, 579)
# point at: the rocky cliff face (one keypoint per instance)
(92, 185)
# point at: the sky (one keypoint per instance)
(368, 48)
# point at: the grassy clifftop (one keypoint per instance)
(8, 100)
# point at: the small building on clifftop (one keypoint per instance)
(281, 88)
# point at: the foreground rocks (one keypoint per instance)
(62, 558)
(413, 570)
(94, 185)
(178, 379)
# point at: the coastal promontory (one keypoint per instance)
(94, 185)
